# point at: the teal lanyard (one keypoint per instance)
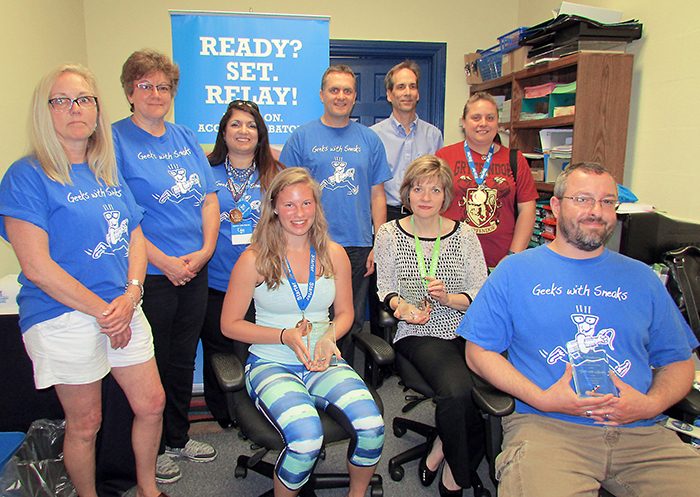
(421, 258)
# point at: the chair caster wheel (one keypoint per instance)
(240, 471)
(399, 431)
(396, 472)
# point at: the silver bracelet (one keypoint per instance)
(133, 300)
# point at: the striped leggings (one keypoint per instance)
(288, 396)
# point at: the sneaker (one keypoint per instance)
(194, 451)
(166, 470)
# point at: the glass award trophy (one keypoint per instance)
(415, 292)
(317, 330)
(591, 370)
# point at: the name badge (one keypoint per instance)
(241, 232)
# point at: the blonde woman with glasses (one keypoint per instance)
(74, 227)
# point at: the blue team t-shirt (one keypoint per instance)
(88, 225)
(169, 176)
(536, 302)
(347, 162)
(233, 238)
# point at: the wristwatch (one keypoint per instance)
(134, 282)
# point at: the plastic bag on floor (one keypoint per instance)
(37, 468)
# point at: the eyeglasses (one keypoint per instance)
(237, 103)
(589, 202)
(63, 104)
(148, 87)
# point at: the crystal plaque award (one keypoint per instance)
(317, 330)
(415, 292)
(591, 370)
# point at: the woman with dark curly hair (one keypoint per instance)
(243, 168)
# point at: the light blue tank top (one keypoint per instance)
(279, 309)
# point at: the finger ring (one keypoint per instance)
(322, 359)
(607, 417)
(589, 414)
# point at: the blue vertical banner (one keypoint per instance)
(273, 60)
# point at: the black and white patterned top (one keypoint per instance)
(460, 266)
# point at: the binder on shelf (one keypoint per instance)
(562, 96)
(556, 147)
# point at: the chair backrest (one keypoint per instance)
(684, 283)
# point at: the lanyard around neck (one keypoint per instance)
(303, 302)
(479, 178)
(238, 193)
(421, 258)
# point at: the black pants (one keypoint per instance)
(458, 422)
(360, 287)
(214, 342)
(176, 314)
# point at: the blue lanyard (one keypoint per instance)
(303, 302)
(479, 178)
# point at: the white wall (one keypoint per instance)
(35, 36)
(115, 29)
(662, 166)
(661, 159)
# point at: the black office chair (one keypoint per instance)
(255, 427)
(493, 404)
(684, 286)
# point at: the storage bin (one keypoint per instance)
(509, 41)
(490, 63)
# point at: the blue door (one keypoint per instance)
(372, 59)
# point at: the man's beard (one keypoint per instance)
(583, 239)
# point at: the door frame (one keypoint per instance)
(437, 51)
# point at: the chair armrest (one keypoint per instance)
(229, 372)
(491, 400)
(375, 347)
(690, 404)
(386, 317)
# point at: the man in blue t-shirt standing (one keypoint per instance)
(349, 162)
(561, 311)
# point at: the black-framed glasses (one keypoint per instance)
(589, 202)
(238, 103)
(63, 104)
(148, 87)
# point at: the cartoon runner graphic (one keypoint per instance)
(586, 341)
(183, 188)
(339, 179)
(115, 237)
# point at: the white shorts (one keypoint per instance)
(69, 349)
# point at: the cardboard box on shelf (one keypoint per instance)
(537, 174)
(514, 61)
(471, 68)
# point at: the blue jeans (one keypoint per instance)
(176, 314)
(360, 288)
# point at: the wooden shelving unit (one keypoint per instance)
(603, 89)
